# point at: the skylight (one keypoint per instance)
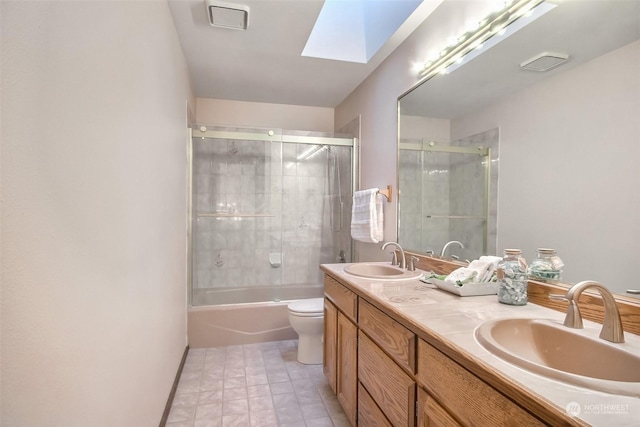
(354, 30)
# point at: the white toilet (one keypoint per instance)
(306, 317)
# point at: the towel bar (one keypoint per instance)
(386, 193)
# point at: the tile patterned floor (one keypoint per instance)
(253, 385)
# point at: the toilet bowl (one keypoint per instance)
(307, 319)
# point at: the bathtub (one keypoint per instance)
(229, 323)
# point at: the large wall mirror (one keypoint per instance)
(497, 156)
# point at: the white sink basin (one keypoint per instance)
(548, 348)
(381, 272)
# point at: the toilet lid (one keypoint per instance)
(312, 305)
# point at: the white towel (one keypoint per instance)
(491, 268)
(462, 275)
(367, 221)
(479, 270)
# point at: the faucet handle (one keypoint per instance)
(394, 258)
(412, 261)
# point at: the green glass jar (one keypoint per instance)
(512, 278)
(547, 266)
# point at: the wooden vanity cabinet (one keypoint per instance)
(387, 384)
(451, 389)
(386, 364)
(432, 414)
(341, 345)
(384, 375)
(330, 351)
(369, 414)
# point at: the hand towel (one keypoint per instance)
(462, 275)
(491, 268)
(367, 221)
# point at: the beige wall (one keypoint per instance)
(610, 159)
(376, 101)
(570, 143)
(257, 114)
(93, 212)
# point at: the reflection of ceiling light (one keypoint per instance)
(496, 24)
(227, 15)
(544, 61)
(311, 152)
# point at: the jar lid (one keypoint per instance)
(512, 251)
(546, 251)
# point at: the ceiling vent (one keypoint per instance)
(227, 15)
(544, 61)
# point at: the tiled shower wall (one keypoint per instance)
(273, 223)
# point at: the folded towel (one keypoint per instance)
(491, 268)
(479, 270)
(462, 275)
(367, 223)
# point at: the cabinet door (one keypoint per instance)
(389, 386)
(396, 340)
(431, 414)
(368, 412)
(330, 342)
(347, 358)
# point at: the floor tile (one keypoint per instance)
(253, 385)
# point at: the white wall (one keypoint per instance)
(258, 114)
(569, 156)
(93, 212)
(376, 100)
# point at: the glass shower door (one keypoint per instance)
(237, 217)
(267, 209)
(445, 191)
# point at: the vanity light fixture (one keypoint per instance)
(493, 25)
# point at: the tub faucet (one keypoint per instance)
(403, 262)
(444, 249)
(612, 325)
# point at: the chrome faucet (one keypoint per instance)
(444, 249)
(403, 262)
(612, 325)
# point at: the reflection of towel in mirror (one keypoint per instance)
(367, 222)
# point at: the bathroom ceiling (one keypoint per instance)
(264, 62)
(582, 29)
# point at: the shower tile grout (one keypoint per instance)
(258, 384)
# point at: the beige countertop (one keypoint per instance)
(452, 319)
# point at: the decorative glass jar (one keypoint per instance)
(547, 266)
(512, 278)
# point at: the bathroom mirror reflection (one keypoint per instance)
(569, 143)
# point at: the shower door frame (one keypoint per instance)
(430, 146)
(202, 131)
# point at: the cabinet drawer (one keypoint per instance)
(473, 401)
(389, 386)
(368, 412)
(397, 341)
(343, 298)
(432, 414)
